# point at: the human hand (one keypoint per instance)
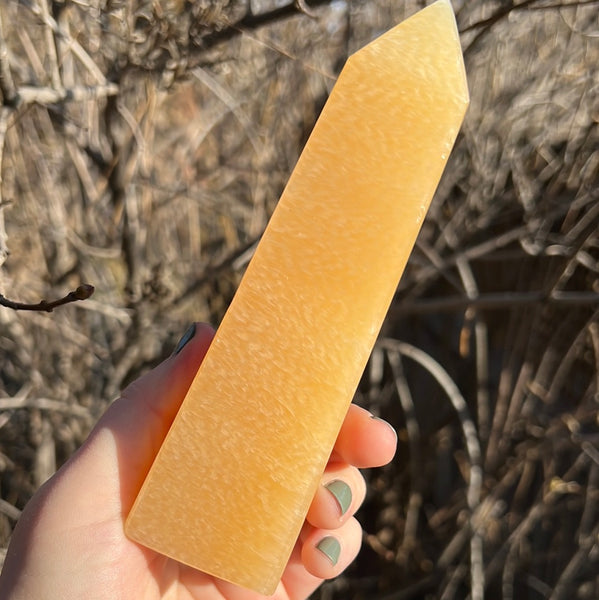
(69, 543)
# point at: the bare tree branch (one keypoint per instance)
(83, 292)
(48, 95)
(497, 301)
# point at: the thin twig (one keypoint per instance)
(413, 431)
(437, 261)
(481, 349)
(590, 510)
(549, 361)
(83, 292)
(48, 95)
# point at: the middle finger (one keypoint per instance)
(339, 496)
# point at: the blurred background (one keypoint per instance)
(144, 144)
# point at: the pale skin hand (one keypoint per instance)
(69, 543)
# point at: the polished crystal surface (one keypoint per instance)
(231, 486)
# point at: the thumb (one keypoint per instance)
(140, 419)
(158, 394)
(98, 484)
(93, 491)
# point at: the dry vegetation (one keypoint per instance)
(144, 145)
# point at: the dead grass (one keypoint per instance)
(154, 174)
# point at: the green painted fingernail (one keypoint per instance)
(331, 548)
(188, 335)
(342, 493)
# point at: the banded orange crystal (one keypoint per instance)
(231, 485)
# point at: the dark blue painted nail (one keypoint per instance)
(188, 335)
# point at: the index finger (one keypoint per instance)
(364, 441)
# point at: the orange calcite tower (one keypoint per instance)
(232, 483)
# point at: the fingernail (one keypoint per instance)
(386, 423)
(188, 335)
(331, 548)
(341, 492)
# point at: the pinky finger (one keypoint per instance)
(326, 554)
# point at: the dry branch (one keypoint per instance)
(83, 292)
(47, 95)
